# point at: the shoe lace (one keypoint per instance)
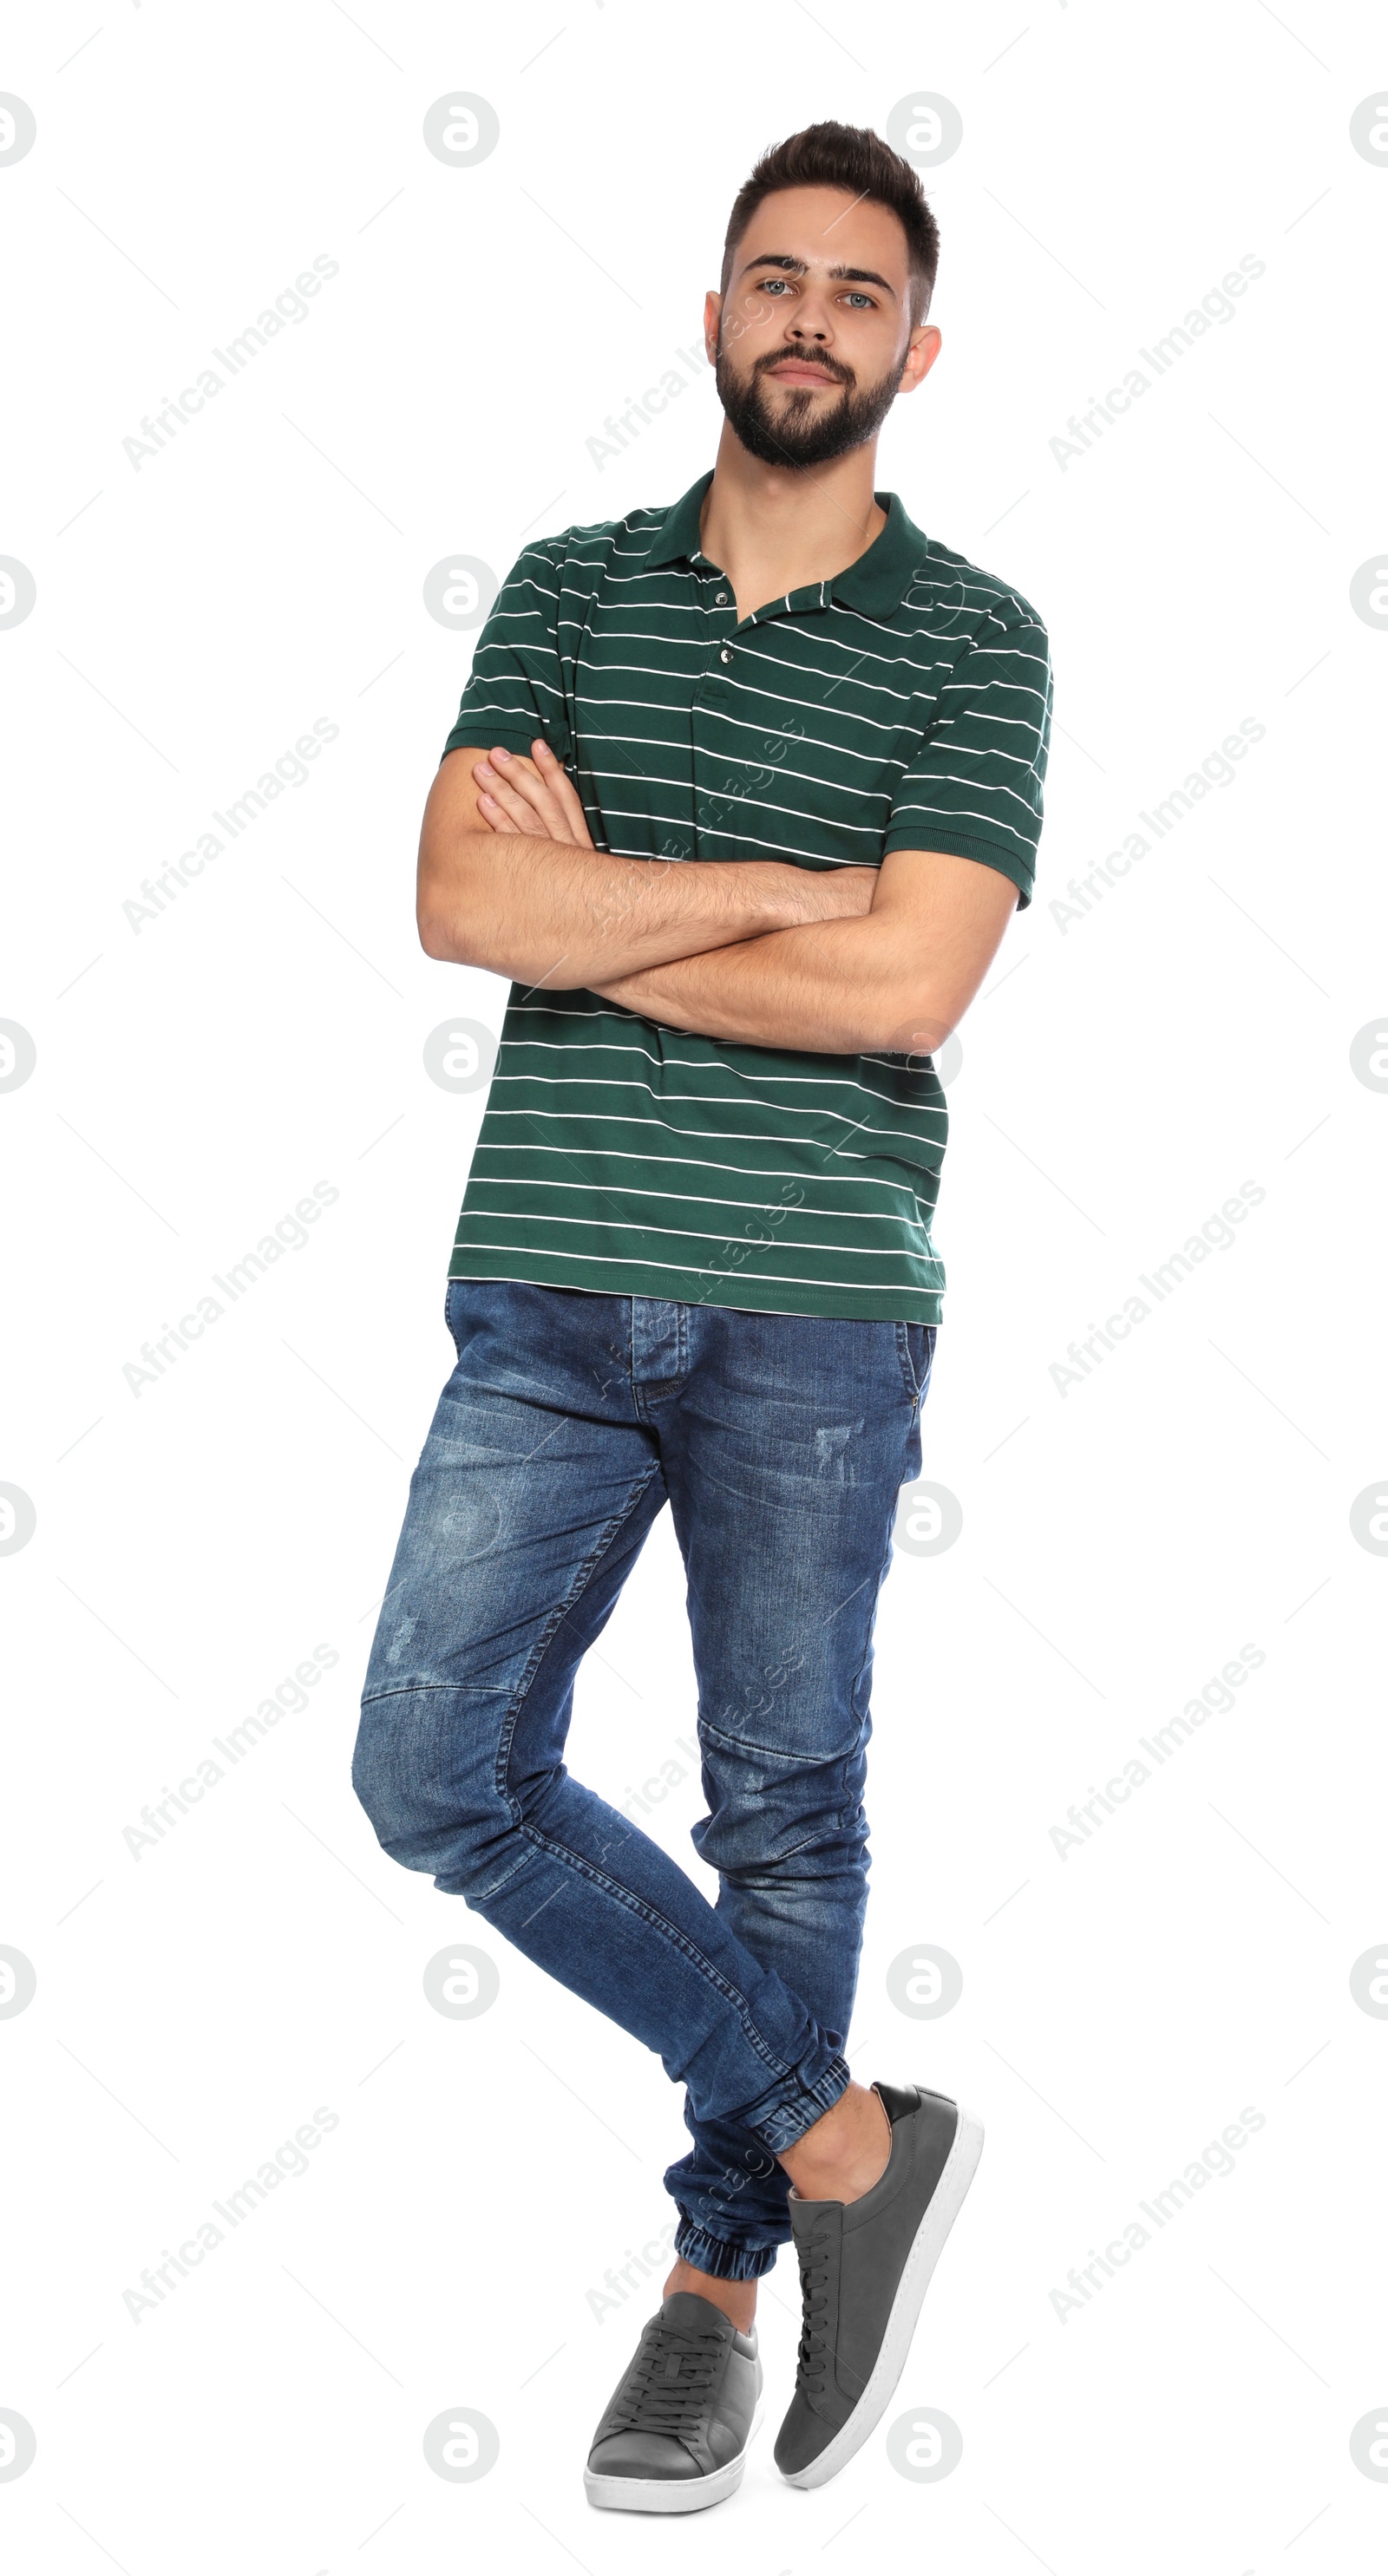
(812, 2355)
(669, 2382)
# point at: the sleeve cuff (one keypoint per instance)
(964, 845)
(506, 731)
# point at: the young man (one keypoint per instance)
(742, 794)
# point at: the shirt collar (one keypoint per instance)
(877, 581)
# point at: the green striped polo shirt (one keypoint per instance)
(904, 705)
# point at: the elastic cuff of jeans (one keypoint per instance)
(780, 2118)
(726, 2262)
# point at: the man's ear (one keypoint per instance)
(922, 350)
(713, 308)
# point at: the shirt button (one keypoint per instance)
(725, 655)
(720, 599)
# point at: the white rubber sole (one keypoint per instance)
(669, 2495)
(946, 2201)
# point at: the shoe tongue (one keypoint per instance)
(693, 2315)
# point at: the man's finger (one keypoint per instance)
(501, 798)
(570, 802)
(493, 815)
(524, 779)
(519, 772)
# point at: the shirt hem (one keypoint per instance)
(685, 1288)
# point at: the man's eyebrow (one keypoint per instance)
(786, 261)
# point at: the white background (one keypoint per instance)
(1124, 1074)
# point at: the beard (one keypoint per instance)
(807, 430)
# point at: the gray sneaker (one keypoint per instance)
(864, 2267)
(675, 2435)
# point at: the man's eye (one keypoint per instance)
(861, 299)
(775, 285)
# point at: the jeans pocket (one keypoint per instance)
(453, 1309)
(915, 1344)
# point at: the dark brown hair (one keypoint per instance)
(855, 159)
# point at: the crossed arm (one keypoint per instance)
(837, 961)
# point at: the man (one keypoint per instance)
(741, 794)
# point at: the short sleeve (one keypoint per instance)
(974, 786)
(516, 687)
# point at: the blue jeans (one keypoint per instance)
(780, 1443)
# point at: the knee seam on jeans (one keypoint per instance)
(413, 1690)
(784, 1753)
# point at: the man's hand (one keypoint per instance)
(533, 796)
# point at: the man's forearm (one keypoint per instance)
(832, 988)
(897, 979)
(548, 913)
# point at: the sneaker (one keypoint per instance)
(675, 2435)
(864, 2267)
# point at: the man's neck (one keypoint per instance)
(772, 529)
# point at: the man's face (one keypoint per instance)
(813, 340)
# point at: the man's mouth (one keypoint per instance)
(797, 371)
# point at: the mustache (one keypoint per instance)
(782, 357)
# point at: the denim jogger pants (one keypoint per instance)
(781, 1443)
